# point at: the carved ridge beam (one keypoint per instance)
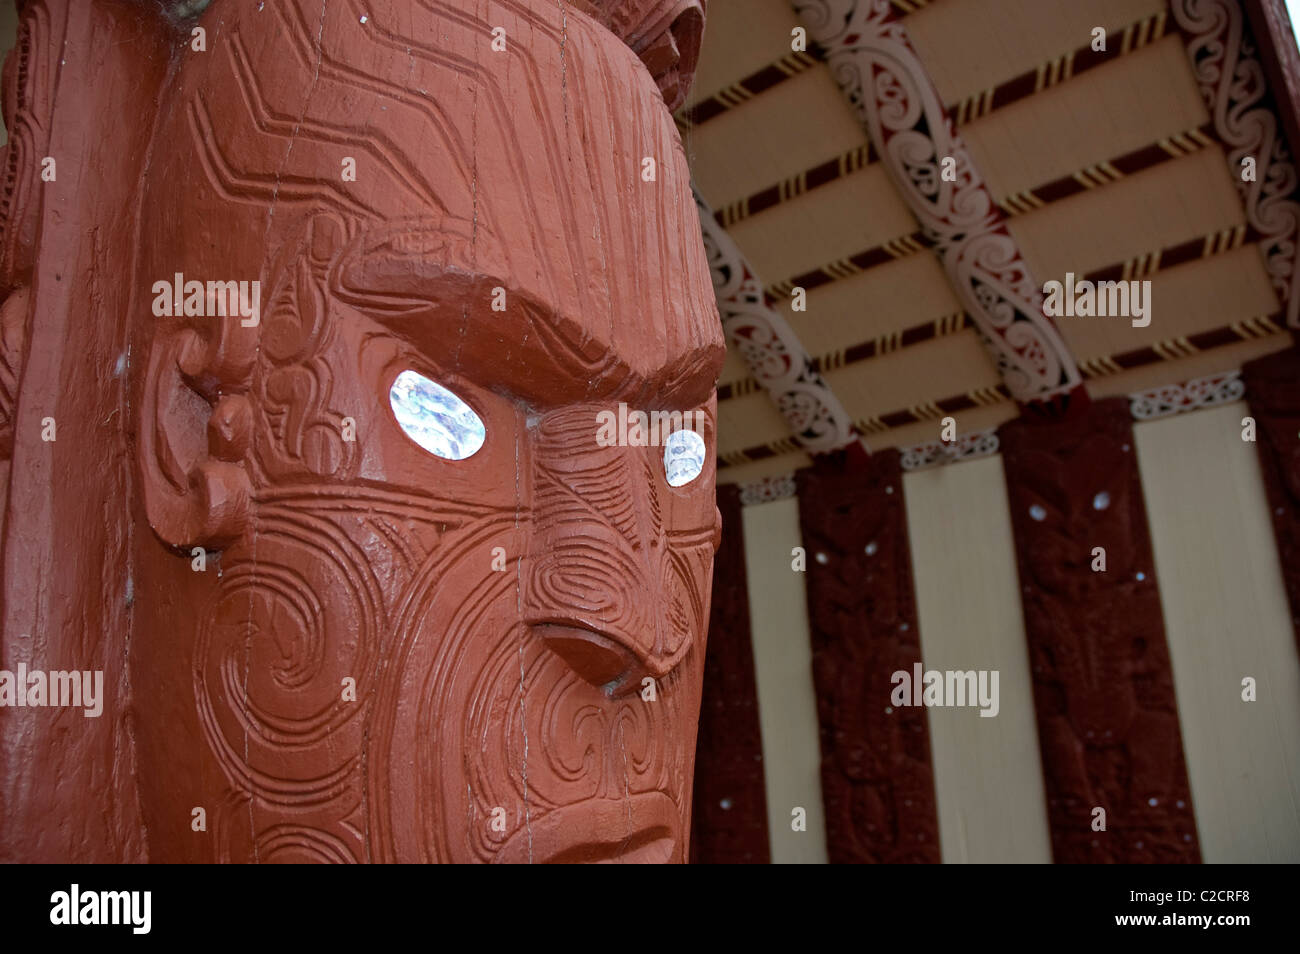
(776, 358)
(1277, 49)
(883, 78)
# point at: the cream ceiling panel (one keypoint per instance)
(972, 45)
(1174, 202)
(837, 220)
(787, 130)
(741, 37)
(1098, 116)
(891, 297)
(1228, 358)
(927, 372)
(749, 421)
(1191, 298)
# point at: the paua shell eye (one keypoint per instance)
(435, 418)
(684, 454)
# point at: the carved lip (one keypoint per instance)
(639, 829)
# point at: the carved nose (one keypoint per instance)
(596, 658)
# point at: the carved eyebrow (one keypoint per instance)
(416, 279)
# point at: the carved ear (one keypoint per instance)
(194, 439)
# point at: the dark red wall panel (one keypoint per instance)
(877, 779)
(1273, 390)
(729, 814)
(1107, 718)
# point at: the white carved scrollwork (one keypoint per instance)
(1235, 91)
(934, 453)
(873, 61)
(1197, 393)
(769, 346)
(767, 490)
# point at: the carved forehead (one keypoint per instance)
(537, 151)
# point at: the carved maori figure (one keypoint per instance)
(1108, 721)
(327, 634)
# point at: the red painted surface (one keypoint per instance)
(1273, 392)
(498, 710)
(877, 778)
(729, 814)
(1103, 689)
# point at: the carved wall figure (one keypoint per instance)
(387, 654)
(1273, 384)
(877, 775)
(1108, 725)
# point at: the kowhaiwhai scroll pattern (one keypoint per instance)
(769, 345)
(1232, 81)
(877, 68)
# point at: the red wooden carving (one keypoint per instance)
(319, 639)
(1103, 688)
(729, 823)
(877, 780)
(1273, 390)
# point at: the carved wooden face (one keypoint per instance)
(405, 656)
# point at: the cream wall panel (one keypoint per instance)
(987, 771)
(1226, 617)
(787, 703)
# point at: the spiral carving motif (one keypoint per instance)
(1226, 63)
(770, 347)
(881, 74)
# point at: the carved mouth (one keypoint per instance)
(640, 829)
